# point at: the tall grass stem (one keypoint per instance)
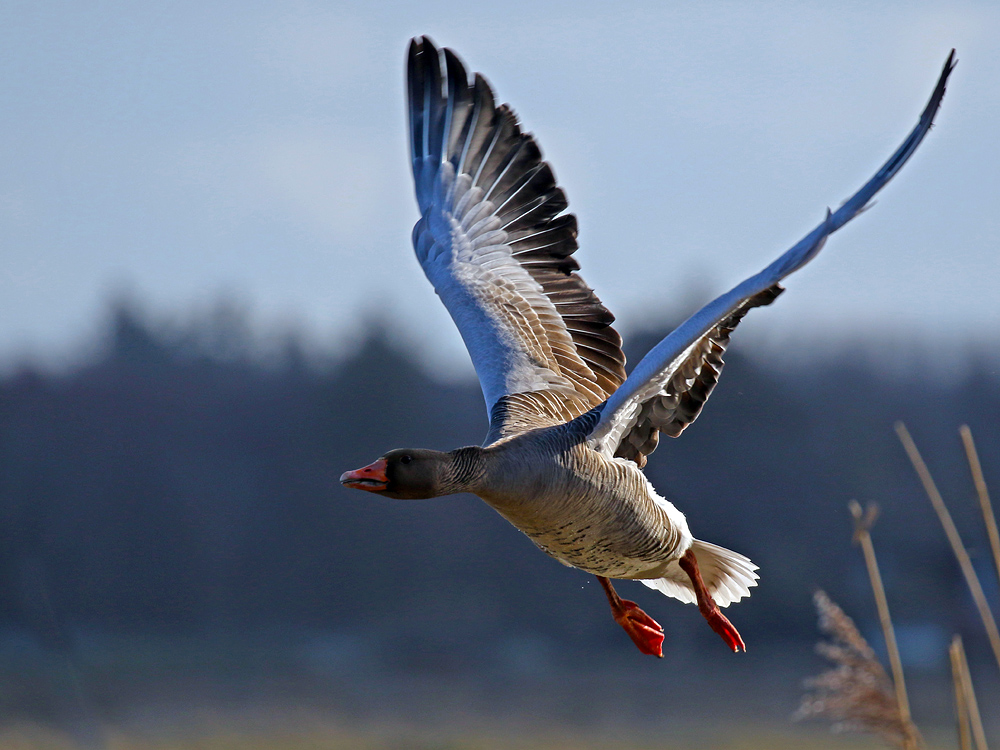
(961, 702)
(961, 666)
(863, 523)
(984, 496)
(953, 537)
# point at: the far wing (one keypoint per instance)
(668, 387)
(496, 245)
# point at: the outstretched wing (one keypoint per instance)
(666, 390)
(494, 241)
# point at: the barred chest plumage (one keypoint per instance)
(590, 512)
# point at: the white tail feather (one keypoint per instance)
(727, 574)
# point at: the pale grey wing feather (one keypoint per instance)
(496, 245)
(688, 359)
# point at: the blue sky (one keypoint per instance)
(179, 152)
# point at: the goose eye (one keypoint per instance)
(405, 459)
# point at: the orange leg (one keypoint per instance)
(644, 631)
(707, 606)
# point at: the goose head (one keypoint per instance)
(414, 474)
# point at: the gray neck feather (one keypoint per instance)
(466, 470)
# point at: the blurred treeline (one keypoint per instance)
(177, 483)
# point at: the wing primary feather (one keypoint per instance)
(427, 122)
(435, 110)
(508, 162)
(517, 187)
(486, 156)
(415, 84)
(449, 111)
(462, 108)
(448, 115)
(507, 133)
(473, 124)
(486, 105)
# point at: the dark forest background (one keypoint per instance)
(174, 487)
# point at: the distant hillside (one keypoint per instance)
(175, 484)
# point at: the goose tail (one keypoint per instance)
(727, 574)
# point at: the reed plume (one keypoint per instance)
(856, 694)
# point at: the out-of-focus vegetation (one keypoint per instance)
(171, 526)
(315, 735)
(312, 737)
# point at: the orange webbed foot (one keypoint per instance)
(707, 606)
(644, 631)
(721, 625)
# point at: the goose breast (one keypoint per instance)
(597, 514)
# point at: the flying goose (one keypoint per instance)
(569, 433)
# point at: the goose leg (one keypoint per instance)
(707, 606)
(644, 631)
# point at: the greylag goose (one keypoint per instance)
(569, 433)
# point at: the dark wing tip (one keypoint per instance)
(421, 49)
(857, 202)
(935, 101)
(421, 41)
(458, 78)
(418, 47)
(450, 56)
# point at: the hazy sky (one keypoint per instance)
(180, 152)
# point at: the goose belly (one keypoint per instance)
(608, 522)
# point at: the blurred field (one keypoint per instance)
(279, 692)
(312, 735)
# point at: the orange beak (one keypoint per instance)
(371, 478)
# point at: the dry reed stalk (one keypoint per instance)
(984, 496)
(963, 688)
(856, 694)
(863, 522)
(953, 537)
(961, 702)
